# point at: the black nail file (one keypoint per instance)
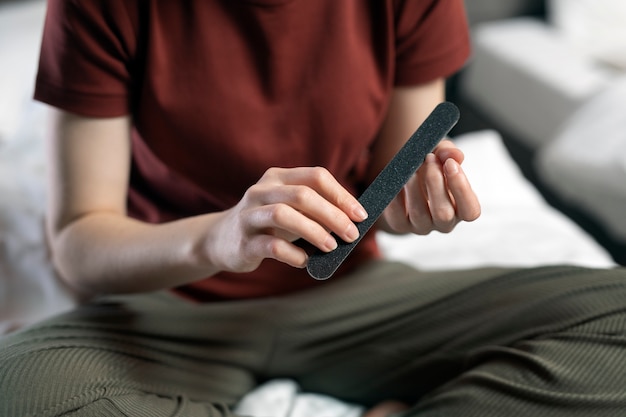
(322, 265)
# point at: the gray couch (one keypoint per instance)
(529, 83)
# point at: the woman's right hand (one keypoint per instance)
(98, 249)
(286, 204)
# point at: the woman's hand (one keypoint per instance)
(283, 206)
(98, 249)
(437, 197)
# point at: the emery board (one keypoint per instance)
(322, 265)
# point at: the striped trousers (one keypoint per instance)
(488, 342)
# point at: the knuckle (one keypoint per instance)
(444, 214)
(253, 193)
(319, 175)
(302, 195)
(419, 214)
(446, 225)
(274, 248)
(423, 228)
(271, 173)
(421, 222)
(257, 195)
(277, 213)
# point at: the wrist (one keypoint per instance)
(204, 250)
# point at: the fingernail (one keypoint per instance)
(303, 265)
(352, 233)
(330, 244)
(430, 158)
(451, 167)
(360, 213)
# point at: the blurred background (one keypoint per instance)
(547, 76)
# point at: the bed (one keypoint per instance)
(517, 227)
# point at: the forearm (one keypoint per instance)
(96, 248)
(106, 253)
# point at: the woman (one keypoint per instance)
(195, 143)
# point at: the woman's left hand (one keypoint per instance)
(437, 197)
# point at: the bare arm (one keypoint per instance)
(95, 246)
(439, 194)
(98, 249)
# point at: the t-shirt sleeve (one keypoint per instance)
(432, 40)
(86, 57)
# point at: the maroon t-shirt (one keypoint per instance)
(221, 90)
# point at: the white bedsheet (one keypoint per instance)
(517, 227)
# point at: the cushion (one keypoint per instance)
(585, 163)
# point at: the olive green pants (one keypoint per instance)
(489, 342)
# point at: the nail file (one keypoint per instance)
(322, 265)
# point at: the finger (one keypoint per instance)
(396, 214)
(417, 207)
(446, 150)
(467, 204)
(271, 247)
(442, 209)
(325, 184)
(282, 219)
(310, 204)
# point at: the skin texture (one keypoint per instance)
(99, 250)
